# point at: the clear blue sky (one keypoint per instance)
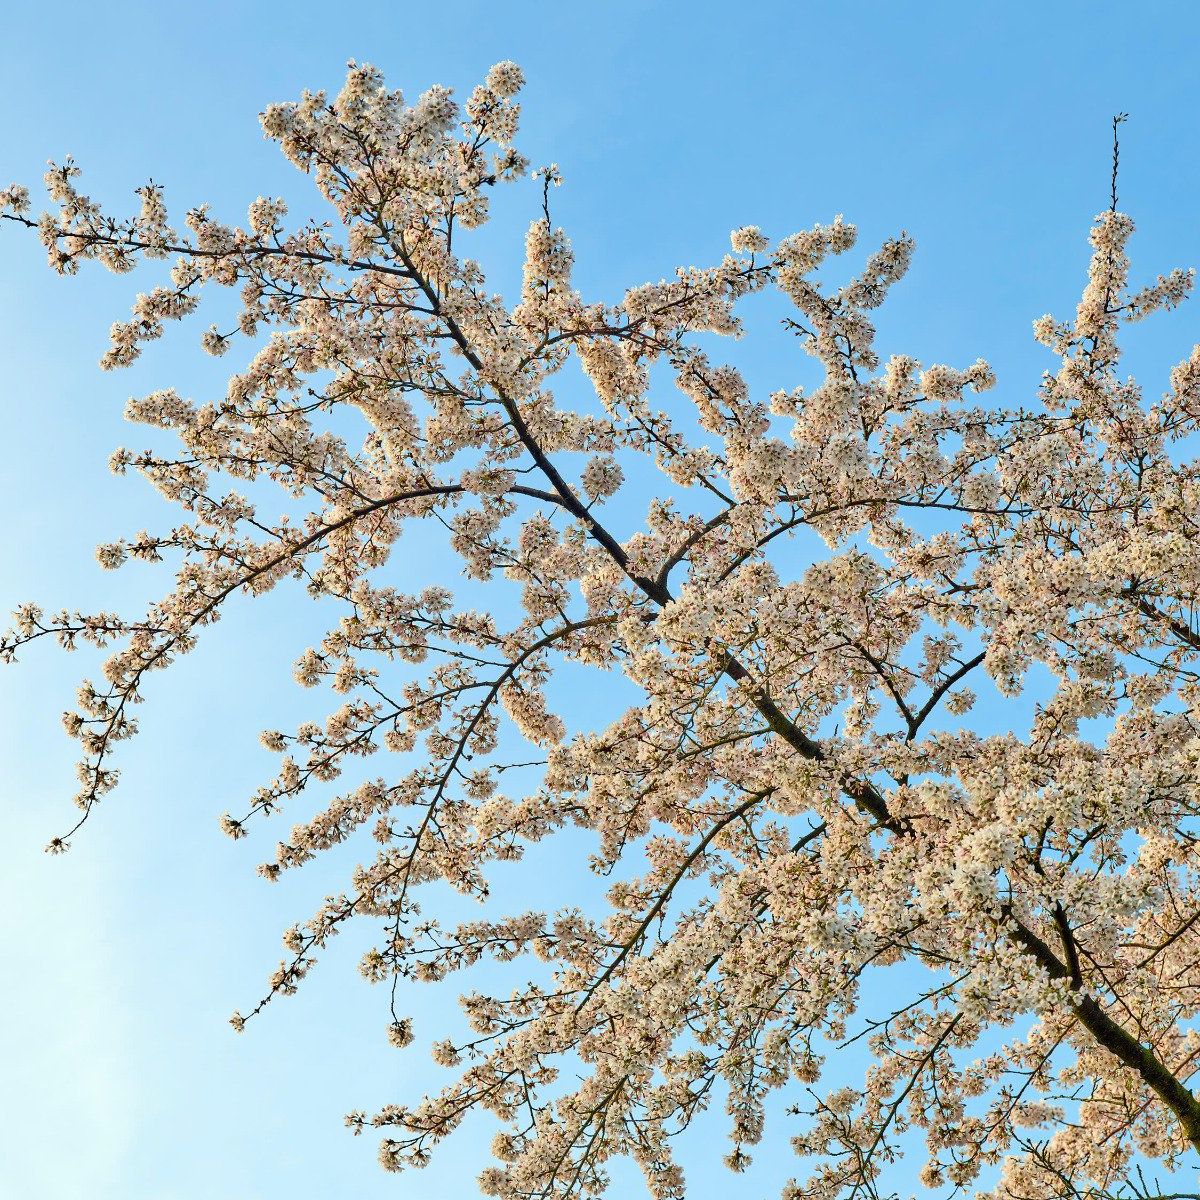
(981, 128)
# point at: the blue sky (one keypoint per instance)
(982, 129)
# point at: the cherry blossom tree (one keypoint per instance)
(801, 593)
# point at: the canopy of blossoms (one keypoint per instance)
(791, 806)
